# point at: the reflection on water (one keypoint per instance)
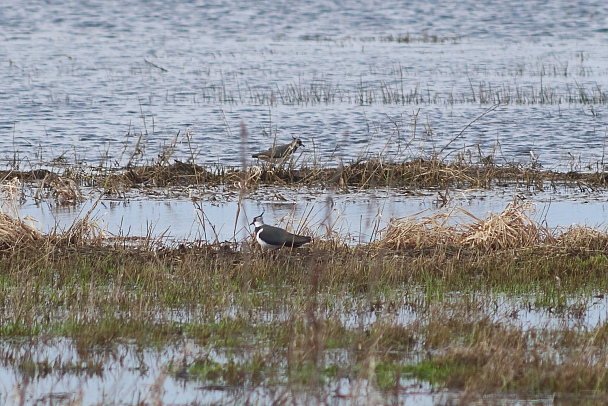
(357, 217)
(40, 369)
(130, 375)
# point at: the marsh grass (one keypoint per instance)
(398, 88)
(280, 319)
(433, 174)
(289, 312)
(441, 170)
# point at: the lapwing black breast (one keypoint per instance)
(271, 238)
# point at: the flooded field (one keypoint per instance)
(150, 304)
(130, 375)
(452, 179)
(85, 323)
(387, 79)
(358, 216)
(193, 367)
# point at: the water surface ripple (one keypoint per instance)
(82, 81)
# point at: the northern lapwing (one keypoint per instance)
(271, 238)
(279, 151)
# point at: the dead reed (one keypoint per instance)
(14, 231)
(291, 311)
(512, 228)
(418, 173)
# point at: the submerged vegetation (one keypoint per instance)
(434, 301)
(63, 184)
(400, 91)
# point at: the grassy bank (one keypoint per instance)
(437, 300)
(428, 312)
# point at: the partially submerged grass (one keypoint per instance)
(418, 304)
(395, 87)
(418, 173)
(441, 170)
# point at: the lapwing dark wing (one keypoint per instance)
(279, 151)
(271, 238)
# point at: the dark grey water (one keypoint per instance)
(83, 80)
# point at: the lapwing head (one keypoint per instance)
(258, 221)
(296, 142)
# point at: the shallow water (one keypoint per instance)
(82, 82)
(124, 374)
(130, 376)
(357, 217)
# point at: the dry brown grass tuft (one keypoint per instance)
(63, 189)
(583, 237)
(512, 228)
(15, 231)
(418, 233)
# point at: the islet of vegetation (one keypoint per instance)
(280, 318)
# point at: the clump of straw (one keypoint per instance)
(418, 233)
(512, 228)
(583, 237)
(64, 190)
(15, 231)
